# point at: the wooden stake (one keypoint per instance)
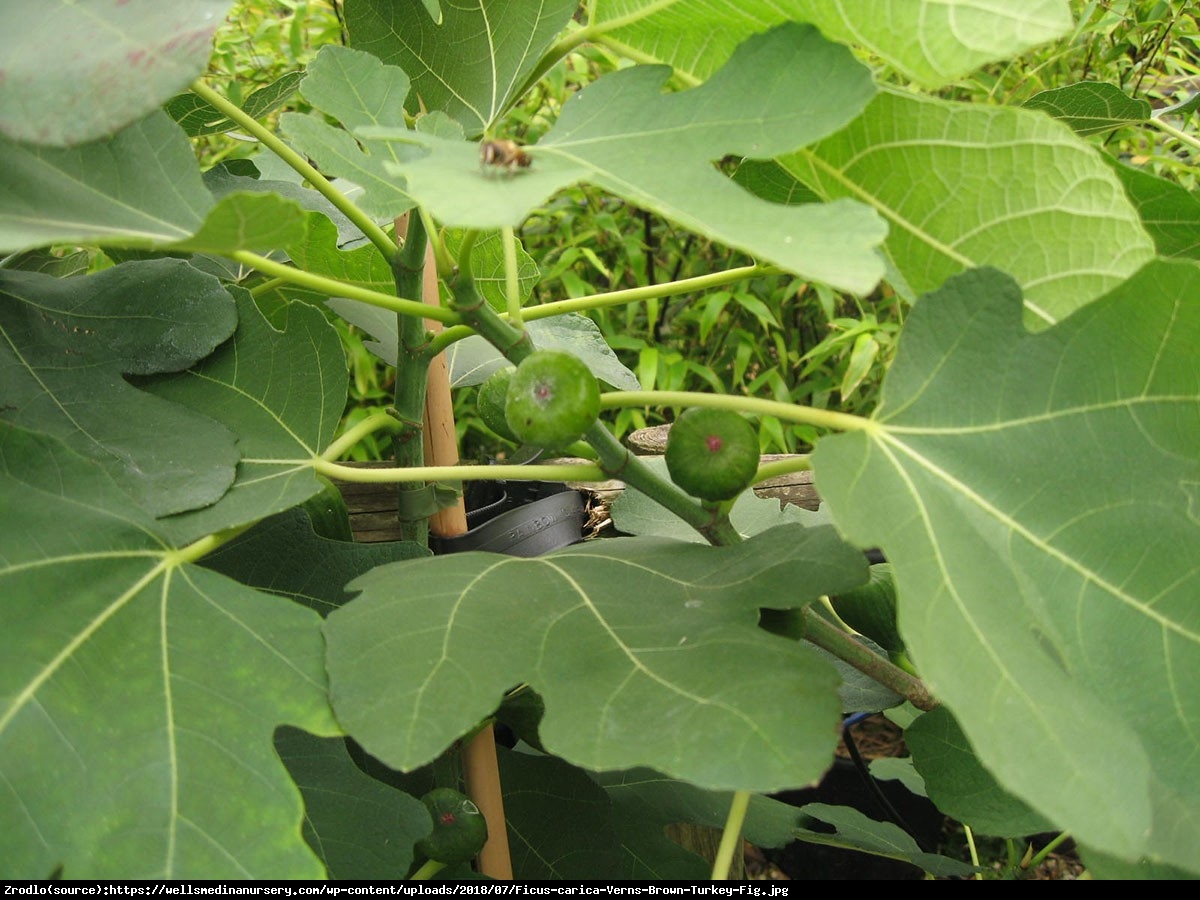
(480, 768)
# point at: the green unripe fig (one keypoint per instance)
(871, 609)
(712, 453)
(490, 401)
(459, 828)
(552, 399)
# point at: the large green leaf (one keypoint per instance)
(139, 693)
(637, 647)
(1037, 497)
(77, 70)
(139, 188)
(222, 180)
(282, 392)
(470, 64)
(65, 344)
(966, 185)
(358, 90)
(779, 91)
(931, 41)
(359, 827)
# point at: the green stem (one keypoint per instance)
(366, 225)
(679, 77)
(618, 462)
(352, 436)
(732, 835)
(511, 340)
(788, 412)
(779, 467)
(412, 373)
(1040, 856)
(550, 58)
(428, 870)
(265, 287)
(442, 260)
(335, 288)
(619, 298)
(829, 637)
(1179, 134)
(549, 472)
(970, 836)
(200, 548)
(512, 288)
(692, 285)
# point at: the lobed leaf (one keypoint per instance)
(470, 62)
(113, 62)
(359, 91)
(964, 185)
(1040, 513)
(635, 645)
(140, 689)
(246, 220)
(68, 342)
(933, 42)
(781, 90)
(138, 188)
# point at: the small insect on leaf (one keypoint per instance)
(503, 156)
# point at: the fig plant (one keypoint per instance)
(198, 684)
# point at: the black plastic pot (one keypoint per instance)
(518, 518)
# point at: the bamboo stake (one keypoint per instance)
(480, 767)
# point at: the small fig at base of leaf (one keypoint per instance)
(552, 399)
(712, 454)
(459, 828)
